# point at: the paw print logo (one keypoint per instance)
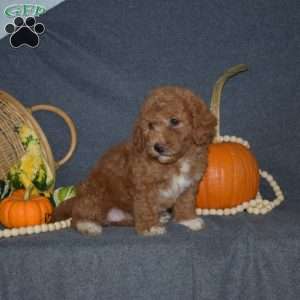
(24, 33)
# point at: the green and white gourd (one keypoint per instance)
(4, 189)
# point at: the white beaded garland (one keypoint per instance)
(254, 206)
(6, 233)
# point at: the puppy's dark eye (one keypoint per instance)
(174, 122)
(150, 126)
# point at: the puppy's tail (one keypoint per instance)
(63, 211)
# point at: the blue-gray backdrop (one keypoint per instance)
(97, 60)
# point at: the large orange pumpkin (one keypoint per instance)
(15, 211)
(232, 177)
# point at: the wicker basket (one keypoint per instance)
(14, 114)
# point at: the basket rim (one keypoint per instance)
(28, 117)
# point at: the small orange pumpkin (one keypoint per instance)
(15, 211)
(231, 178)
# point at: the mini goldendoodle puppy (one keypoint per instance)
(158, 168)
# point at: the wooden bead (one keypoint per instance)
(264, 211)
(57, 225)
(37, 229)
(259, 205)
(245, 205)
(226, 212)
(239, 140)
(240, 208)
(29, 230)
(276, 202)
(265, 202)
(256, 211)
(250, 210)
(281, 198)
(22, 230)
(272, 205)
(198, 212)
(269, 207)
(233, 211)
(263, 174)
(14, 232)
(6, 233)
(205, 212)
(44, 228)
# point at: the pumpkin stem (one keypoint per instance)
(217, 91)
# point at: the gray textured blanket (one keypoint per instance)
(97, 60)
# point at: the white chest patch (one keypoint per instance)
(179, 183)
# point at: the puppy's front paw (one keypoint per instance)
(88, 227)
(154, 230)
(165, 217)
(194, 224)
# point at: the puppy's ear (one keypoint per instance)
(138, 137)
(204, 122)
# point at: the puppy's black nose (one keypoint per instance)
(159, 148)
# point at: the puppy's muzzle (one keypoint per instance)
(160, 149)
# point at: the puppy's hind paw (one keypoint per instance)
(194, 224)
(154, 230)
